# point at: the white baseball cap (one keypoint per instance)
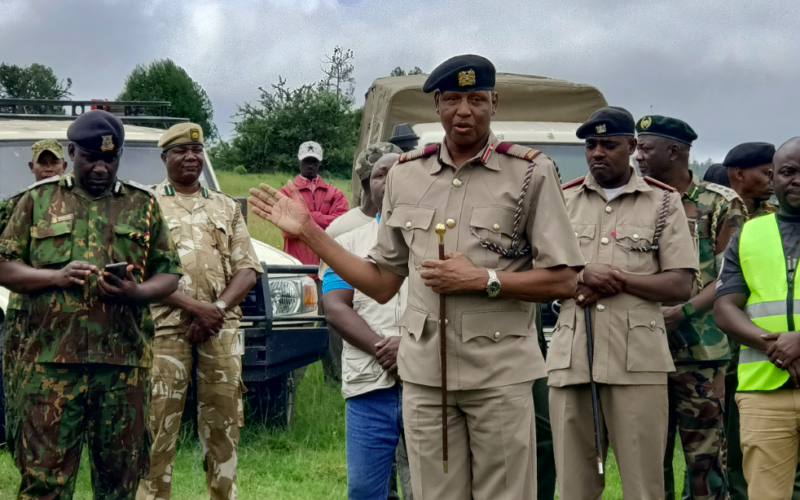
(309, 148)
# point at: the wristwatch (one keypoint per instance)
(222, 305)
(688, 310)
(493, 285)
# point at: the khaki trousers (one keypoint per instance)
(633, 419)
(770, 437)
(491, 443)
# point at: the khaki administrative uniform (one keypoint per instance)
(631, 355)
(213, 243)
(492, 350)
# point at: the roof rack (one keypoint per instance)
(130, 112)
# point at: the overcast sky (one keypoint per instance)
(729, 68)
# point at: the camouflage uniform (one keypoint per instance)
(697, 387)
(84, 363)
(212, 240)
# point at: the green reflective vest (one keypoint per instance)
(773, 304)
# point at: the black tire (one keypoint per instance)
(271, 403)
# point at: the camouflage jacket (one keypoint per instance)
(56, 222)
(213, 243)
(714, 214)
(15, 300)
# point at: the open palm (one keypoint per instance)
(289, 213)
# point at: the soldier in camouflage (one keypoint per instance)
(84, 362)
(700, 350)
(220, 267)
(47, 161)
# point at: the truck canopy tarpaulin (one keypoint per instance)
(394, 100)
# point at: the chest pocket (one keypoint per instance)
(634, 261)
(174, 226)
(51, 243)
(495, 225)
(585, 234)
(221, 241)
(701, 231)
(129, 246)
(414, 222)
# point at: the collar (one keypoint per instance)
(167, 189)
(635, 183)
(68, 181)
(694, 188)
(316, 183)
(486, 157)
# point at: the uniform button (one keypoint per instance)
(446, 322)
(652, 324)
(496, 226)
(457, 183)
(576, 234)
(609, 210)
(635, 236)
(450, 223)
(604, 241)
(497, 335)
(408, 225)
(601, 307)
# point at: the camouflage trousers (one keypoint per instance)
(12, 333)
(62, 407)
(696, 402)
(219, 408)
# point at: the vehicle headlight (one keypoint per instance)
(293, 296)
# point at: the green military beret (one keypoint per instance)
(51, 145)
(664, 126)
(370, 156)
(181, 134)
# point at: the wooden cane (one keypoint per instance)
(598, 450)
(440, 230)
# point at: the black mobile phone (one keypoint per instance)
(119, 269)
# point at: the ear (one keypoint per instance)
(674, 152)
(164, 157)
(632, 143)
(63, 167)
(30, 165)
(436, 96)
(71, 151)
(495, 99)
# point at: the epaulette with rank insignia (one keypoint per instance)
(728, 193)
(418, 153)
(654, 182)
(573, 183)
(521, 152)
(138, 186)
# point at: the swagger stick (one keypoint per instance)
(440, 230)
(593, 386)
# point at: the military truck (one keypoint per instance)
(534, 111)
(282, 329)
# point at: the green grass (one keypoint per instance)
(305, 462)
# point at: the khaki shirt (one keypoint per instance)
(630, 340)
(490, 342)
(213, 244)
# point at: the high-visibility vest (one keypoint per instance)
(774, 301)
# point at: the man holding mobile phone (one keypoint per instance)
(220, 266)
(85, 355)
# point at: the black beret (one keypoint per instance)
(607, 122)
(664, 126)
(97, 131)
(467, 73)
(718, 174)
(749, 155)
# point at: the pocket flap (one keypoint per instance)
(495, 325)
(220, 224)
(413, 321)
(584, 230)
(559, 354)
(411, 217)
(646, 319)
(126, 230)
(46, 229)
(495, 219)
(635, 234)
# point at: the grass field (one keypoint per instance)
(305, 462)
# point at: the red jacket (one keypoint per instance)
(326, 202)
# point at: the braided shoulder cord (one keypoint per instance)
(662, 219)
(514, 251)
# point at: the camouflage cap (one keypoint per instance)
(181, 135)
(370, 156)
(51, 145)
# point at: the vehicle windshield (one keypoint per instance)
(570, 158)
(140, 162)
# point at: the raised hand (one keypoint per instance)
(289, 213)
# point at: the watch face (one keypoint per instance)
(493, 288)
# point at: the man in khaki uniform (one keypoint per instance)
(636, 242)
(220, 267)
(509, 242)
